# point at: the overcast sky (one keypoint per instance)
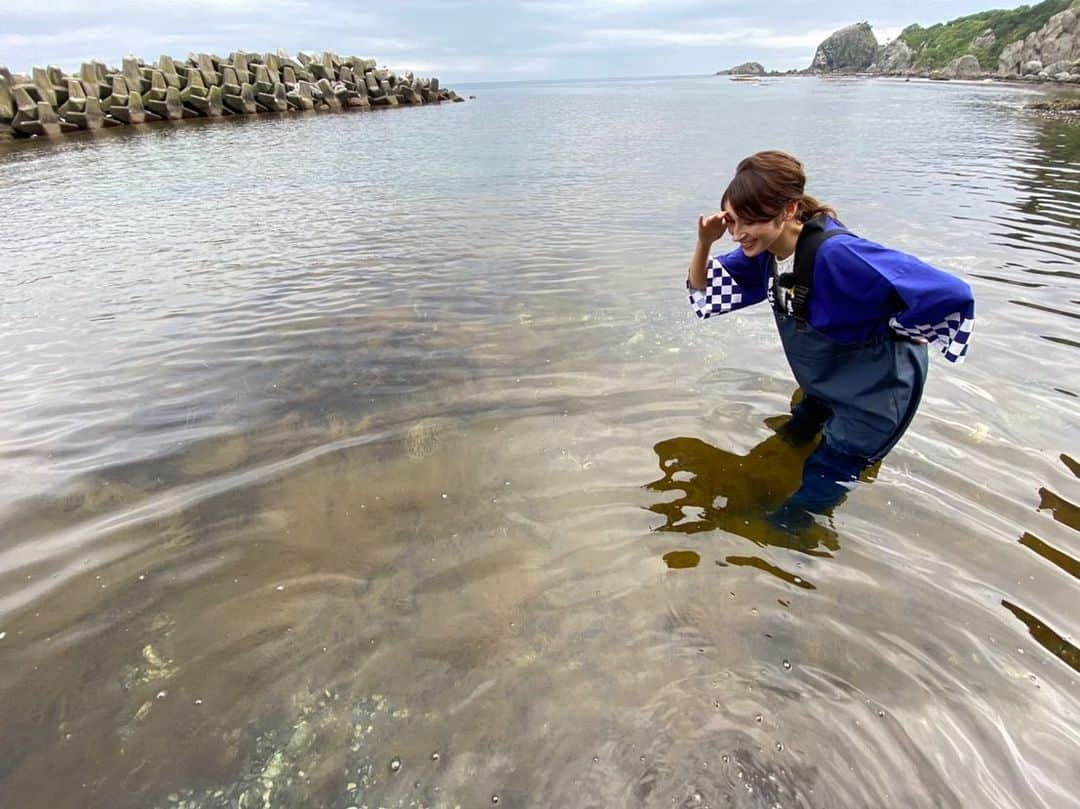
(463, 41)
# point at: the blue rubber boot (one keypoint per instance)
(807, 419)
(828, 476)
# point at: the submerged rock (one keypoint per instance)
(425, 437)
(1069, 105)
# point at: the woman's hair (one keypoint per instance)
(766, 182)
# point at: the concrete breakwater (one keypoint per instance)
(49, 103)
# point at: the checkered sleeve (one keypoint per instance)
(951, 334)
(731, 282)
(939, 308)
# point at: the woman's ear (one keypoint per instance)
(791, 210)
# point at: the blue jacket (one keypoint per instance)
(861, 290)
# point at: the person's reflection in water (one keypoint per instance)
(767, 496)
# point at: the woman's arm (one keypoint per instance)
(710, 229)
(939, 308)
(922, 302)
(731, 282)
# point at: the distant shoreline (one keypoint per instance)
(1026, 81)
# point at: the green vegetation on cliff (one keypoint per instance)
(939, 44)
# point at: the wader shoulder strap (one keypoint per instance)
(801, 279)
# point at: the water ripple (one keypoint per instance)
(342, 440)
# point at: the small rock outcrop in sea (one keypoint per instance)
(849, 50)
(745, 69)
(1068, 106)
(1052, 52)
(48, 102)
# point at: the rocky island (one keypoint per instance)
(745, 69)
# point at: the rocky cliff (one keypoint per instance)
(1051, 52)
(895, 57)
(1031, 42)
(848, 50)
(982, 35)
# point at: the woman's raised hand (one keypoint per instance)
(712, 227)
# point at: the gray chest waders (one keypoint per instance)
(872, 387)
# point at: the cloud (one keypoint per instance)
(477, 39)
(535, 66)
(66, 8)
(631, 8)
(460, 66)
(887, 33)
(599, 39)
(99, 33)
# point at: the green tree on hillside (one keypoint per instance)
(939, 44)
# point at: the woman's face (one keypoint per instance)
(753, 237)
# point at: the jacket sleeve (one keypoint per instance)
(938, 307)
(916, 300)
(732, 282)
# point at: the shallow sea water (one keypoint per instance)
(377, 460)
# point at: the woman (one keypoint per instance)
(855, 319)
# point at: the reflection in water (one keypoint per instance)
(1064, 512)
(1038, 228)
(681, 560)
(735, 493)
(1049, 190)
(1051, 554)
(1068, 514)
(1047, 638)
(1073, 465)
(761, 564)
